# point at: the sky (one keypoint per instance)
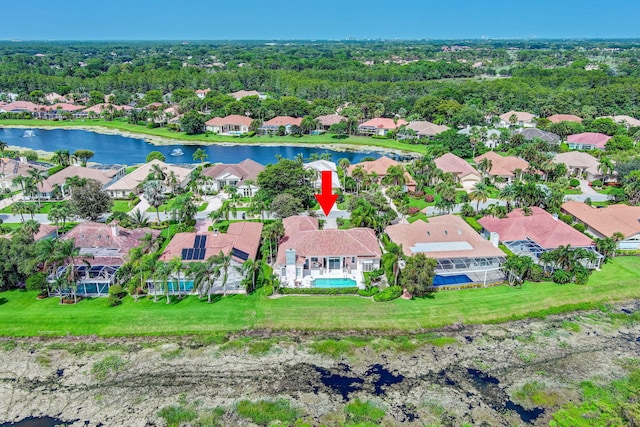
(317, 20)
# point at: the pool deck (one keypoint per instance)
(357, 276)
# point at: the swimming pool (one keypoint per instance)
(457, 279)
(333, 283)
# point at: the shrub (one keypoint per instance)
(580, 227)
(535, 273)
(268, 290)
(561, 277)
(363, 413)
(574, 182)
(36, 282)
(369, 292)
(319, 291)
(388, 294)
(116, 293)
(428, 198)
(55, 169)
(596, 183)
(413, 210)
(265, 412)
(177, 415)
(565, 218)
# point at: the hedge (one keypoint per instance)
(369, 292)
(390, 293)
(319, 291)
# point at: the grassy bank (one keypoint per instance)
(205, 139)
(22, 315)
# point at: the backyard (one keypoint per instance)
(21, 314)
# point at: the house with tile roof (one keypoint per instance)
(59, 179)
(272, 126)
(580, 164)
(243, 176)
(588, 141)
(59, 111)
(425, 129)
(534, 234)
(232, 124)
(98, 109)
(462, 255)
(523, 119)
(307, 254)
(465, 174)
(557, 118)
(535, 133)
(132, 183)
(379, 168)
(628, 121)
(201, 93)
(103, 250)
(606, 221)
(12, 168)
(329, 120)
(244, 93)
(240, 242)
(380, 126)
(324, 165)
(504, 167)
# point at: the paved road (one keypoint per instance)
(587, 192)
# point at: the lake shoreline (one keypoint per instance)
(163, 141)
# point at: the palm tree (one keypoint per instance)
(485, 166)
(157, 172)
(205, 275)
(61, 157)
(395, 175)
(359, 175)
(224, 261)
(138, 219)
(19, 208)
(38, 177)
(251, 268)
(176, 267)
(172, 181)
(30, 227)
(480, 192)
(19, 180)
(273, 232)
(161, 274)
(200, 154)
(66, 252)
(344, 165)
(154, 195)
(508, 195)
(606, 168)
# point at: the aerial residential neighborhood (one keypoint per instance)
(262, 214)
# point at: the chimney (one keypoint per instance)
(114, 228)
(494, 238)
(215, 232)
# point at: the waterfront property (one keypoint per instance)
(243, 176)
(533, 234)
(240, 243)
(425, 129)
(233, 124)
(324, 165)
(329, 120)
(379, 168)
(132, 183)
(103, 248)
(307, 253)
(380, 126)
(462, 255)
(58, 181)
(463, 173)
(607, 221)
(273, 126)
(12, 168)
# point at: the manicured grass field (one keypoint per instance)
(21, 314)
(210, 139)
(45, 208)
(121, 206)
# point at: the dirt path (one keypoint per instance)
(472, 376)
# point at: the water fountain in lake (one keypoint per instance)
(29, 134)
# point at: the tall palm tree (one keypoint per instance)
(507, 194)
(205, 275)
(224, 261)
(606, 168)
(161, 274)
(30, 227)
(172, 181)
(38, 177)
(200, 154)
(480, 193)
(344, 165)
(154, 195)
(359, 175)
(251, 268)
(176, 265)
(66, 252)
(158, 172)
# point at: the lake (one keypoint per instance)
(111, 149)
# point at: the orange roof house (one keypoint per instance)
(380, 166)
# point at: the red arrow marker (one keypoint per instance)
(325, 198)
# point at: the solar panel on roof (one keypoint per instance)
(199, 253)
(196, 243)
(187, 254)
(203, 241)
(240, 254)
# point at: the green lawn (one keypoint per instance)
(121, 206)
(204, 138)
(44, 209)
(21, 314)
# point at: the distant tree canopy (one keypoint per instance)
(155, 155)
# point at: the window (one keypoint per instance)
(353, 260)
(367, 266)
(283, 271)
(334, 263)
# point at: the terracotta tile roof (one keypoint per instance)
(557, 118)
(383, 123)
(578, 159)
(203, 91)
(53, 97)
(425, 128)
(303, 236)
(522, 116)
(283, 121)
(598, 140)
(232, 119)
(446, 236)
(380, 166)
(330, 119)
(243, 236)
(540, 226)
(10, 168)
(245, 170)
(609, 220)
(451, 163)
(503, 165)
(628, 120)
(23, 106)
(131, 181)
(59, 178)
(98, 239)
(65, 107)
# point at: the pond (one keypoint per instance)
(112, 149)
